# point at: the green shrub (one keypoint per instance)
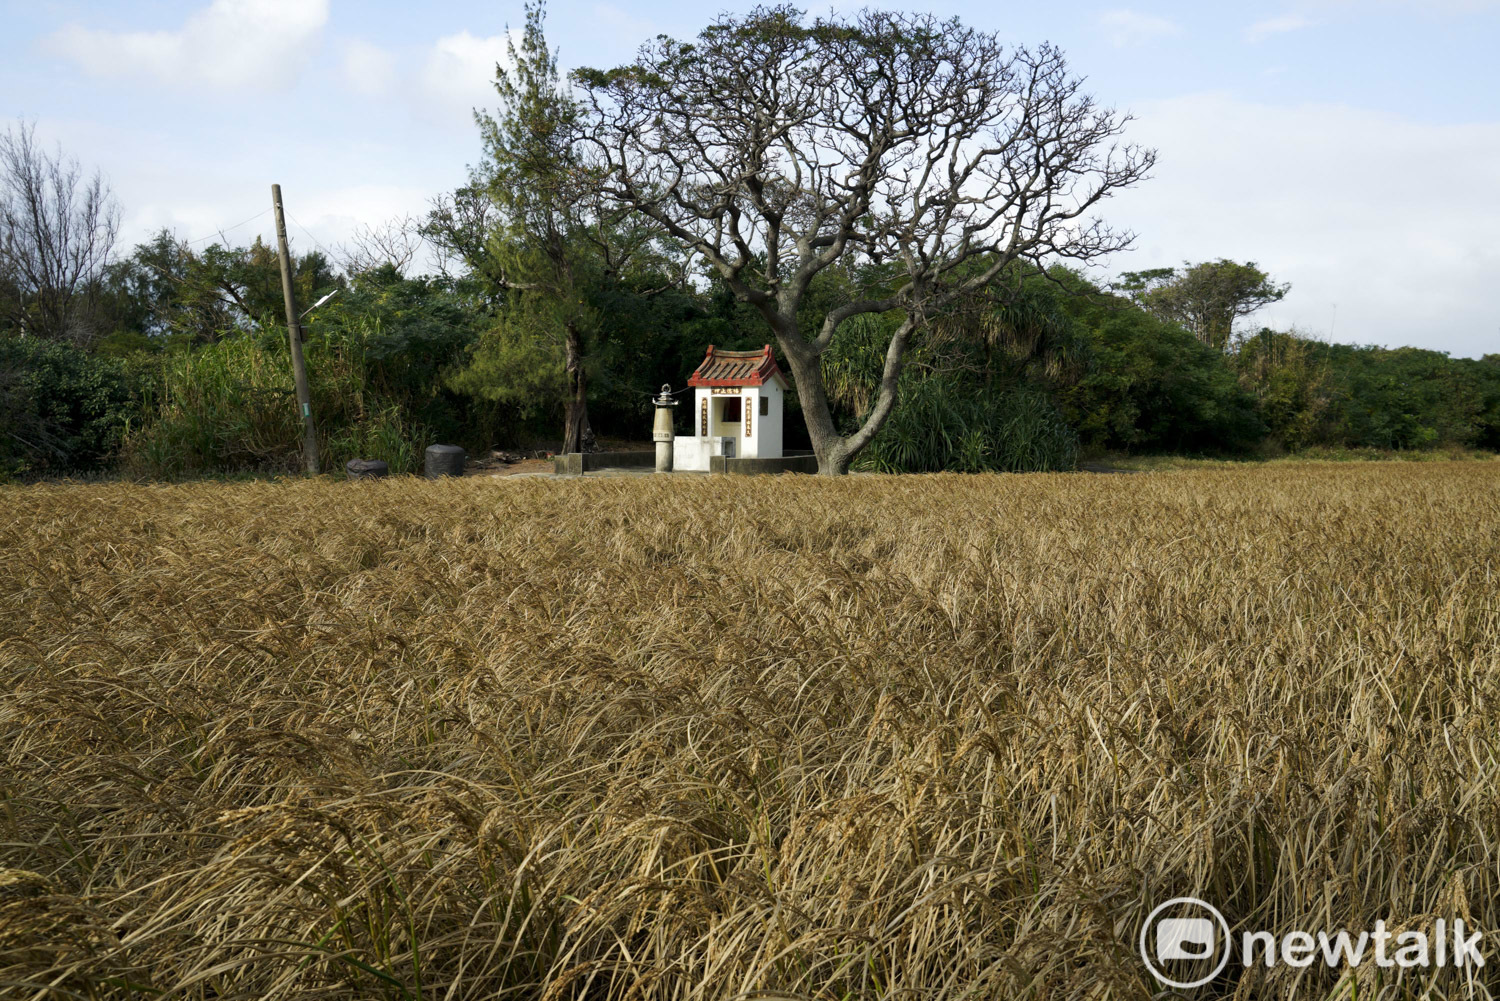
(376, 363)
(1153, 387)
(229, 407)
(61, 409)
(389, 435)
(222, 407)
(936, 427)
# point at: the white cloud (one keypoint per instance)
(440, 83)
(1261, 30)
(459, 72)
(228, 44)
(368, 69)
(1370, 210)
(1128, 27)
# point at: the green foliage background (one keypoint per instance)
(62, 409)
(378, 357)
(1054, 369)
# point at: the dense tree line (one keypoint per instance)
(188, 381)
(928, 322)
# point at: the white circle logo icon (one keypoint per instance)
(1184, 930)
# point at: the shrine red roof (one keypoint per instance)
(737, 368)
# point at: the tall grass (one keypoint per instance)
(963, 403)
(921, 737)
(230, 407)
(939, 428)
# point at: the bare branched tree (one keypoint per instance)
(395, 242)
(458, 228)
(917, 153)
(57, 230)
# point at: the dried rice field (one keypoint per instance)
(709, 738)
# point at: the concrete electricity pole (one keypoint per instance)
(294, 334)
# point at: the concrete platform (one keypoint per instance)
(798, 463)
(580, 463)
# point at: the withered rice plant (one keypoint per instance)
(710, 738)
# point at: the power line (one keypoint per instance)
(314, 239)
(231, 229)
(222, 232)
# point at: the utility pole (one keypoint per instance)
(294, 335)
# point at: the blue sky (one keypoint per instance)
(1351, 148)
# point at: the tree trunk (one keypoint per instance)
(835, 451)
(577, 435)
(807, 375)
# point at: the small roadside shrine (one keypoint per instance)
(737, 406)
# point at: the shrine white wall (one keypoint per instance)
(756, 435)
